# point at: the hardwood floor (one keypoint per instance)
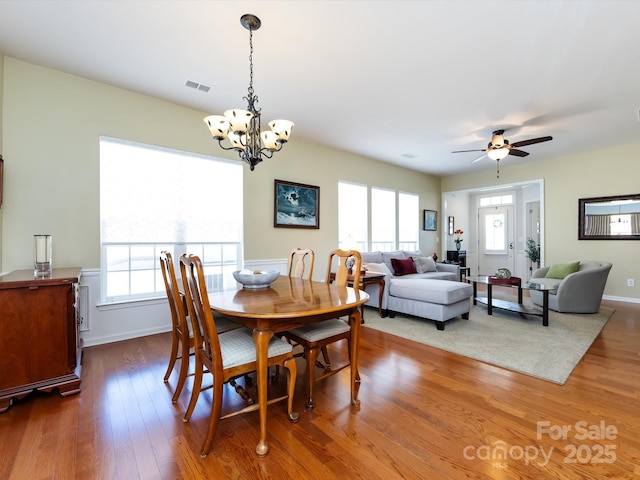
(426, 414)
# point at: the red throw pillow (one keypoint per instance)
(403, 266)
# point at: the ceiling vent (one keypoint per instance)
(198, 86)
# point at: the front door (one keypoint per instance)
(496, 235)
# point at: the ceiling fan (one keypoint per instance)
(498, 147)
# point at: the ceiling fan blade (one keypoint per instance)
(479, 158)
(531, 141)
(463, 151)
(518, 153)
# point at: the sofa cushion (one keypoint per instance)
(424, 264)
(433, 276)
(403, 266)
(432, 291)
(387, 256)
(561, 270)
(371, 257)
(377, 268)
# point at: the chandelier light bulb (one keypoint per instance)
(238, 119)
(269, 140)
(282, 129)
(218, 126)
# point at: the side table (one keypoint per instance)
(464, 273)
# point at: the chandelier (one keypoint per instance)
(242, 127)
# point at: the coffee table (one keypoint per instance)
(513, 282)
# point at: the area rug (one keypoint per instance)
(507, 340)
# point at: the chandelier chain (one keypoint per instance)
(250, 62)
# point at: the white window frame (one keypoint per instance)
(347, 211)
(139, 259)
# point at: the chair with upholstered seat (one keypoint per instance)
(301, 262)
(579, 286)
(316, 337)
(225, 356)
(182, 340)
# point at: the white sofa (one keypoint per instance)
(380, 262)
(433, 292)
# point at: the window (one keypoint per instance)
(154, 199)
(387, 232)
(383, 219)
(352, 216)
(408, 221)
(495, 240)
(496, 200)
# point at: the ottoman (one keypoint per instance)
(438, 300)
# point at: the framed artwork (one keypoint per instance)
(451, 226)
(430, 220)
(296, 205)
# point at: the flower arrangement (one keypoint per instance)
(458, 239)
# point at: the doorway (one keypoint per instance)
(495, 239)
(466, 206)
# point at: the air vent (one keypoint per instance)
(198, 86)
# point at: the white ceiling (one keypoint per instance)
(384, 79)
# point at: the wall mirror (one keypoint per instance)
(609, 218)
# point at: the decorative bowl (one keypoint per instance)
(503, 273)
(255, 278)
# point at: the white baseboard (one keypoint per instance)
(128, 335)
(621, 299)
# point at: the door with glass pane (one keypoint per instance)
(496, 235)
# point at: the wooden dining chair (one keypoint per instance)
(301, 262)
(226, 356)
(317, 337)
(182, 339)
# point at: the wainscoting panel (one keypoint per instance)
(122, 321)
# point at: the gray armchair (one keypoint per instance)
(578, 292)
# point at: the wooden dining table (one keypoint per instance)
(289, 303)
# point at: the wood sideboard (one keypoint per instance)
(40, 347)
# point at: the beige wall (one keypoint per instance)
(51, 129)
(614, 171)
(51, 122)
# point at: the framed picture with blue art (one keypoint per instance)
(430, 220)
(296, 205)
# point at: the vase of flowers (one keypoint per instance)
(458, 238)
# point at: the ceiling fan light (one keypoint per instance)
(238, 119)
(497, 141)
(218, 126)
(497, 153)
